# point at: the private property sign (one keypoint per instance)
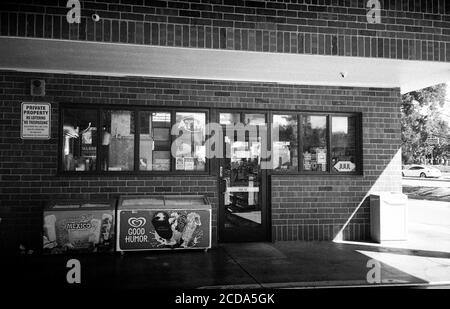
(35, 120)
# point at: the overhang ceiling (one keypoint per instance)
(62, 56)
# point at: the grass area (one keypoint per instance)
(427, 193)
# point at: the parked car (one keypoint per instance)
(421, 171)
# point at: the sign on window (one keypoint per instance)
(345, 166)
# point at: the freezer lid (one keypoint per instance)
(165, 201)
(140, 201)
(68, 205)
(185, 200)
(65, 207)
(391, 198)
(97, 205)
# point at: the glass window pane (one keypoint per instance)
(343, 144)
(154, 141)
(314, 130)
(117, 150)
(229, 118)
(255, 119)
(284, 147)
(190, 144)
(80, 140)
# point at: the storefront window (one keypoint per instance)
(117, 141)
(79, 140)
(98, 139)
(229, 118)
(189, 148)
(154, 141)
(343, 144)
(285, 146)
(255, 119)
(314, 130)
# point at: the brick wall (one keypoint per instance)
(410, 29)
(303, 207)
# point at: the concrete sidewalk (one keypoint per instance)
(249, 265)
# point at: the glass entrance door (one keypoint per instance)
(243, 205)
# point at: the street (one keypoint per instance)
(427, 182)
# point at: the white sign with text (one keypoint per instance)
(36, 119)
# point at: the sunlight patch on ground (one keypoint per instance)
(430, 269)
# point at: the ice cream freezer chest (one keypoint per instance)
(79, 226)
(163, 222)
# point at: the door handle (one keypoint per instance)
(221, 171)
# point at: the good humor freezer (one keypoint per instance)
(163, 222)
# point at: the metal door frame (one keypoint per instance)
(227, 235)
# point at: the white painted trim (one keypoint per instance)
(118, 59)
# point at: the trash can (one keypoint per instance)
(79, 226)
(388, 216)
(163, 222)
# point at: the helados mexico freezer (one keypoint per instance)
(163, 222)
(78, 226)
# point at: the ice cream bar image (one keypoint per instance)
(49, 227)
(106, 226)
(95, 230)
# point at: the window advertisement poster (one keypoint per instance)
(35, 120)
(179, 163)
(321, 156)
(120, 123)
(189, 164)
(307, 161)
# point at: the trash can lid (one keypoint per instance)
(392, 198)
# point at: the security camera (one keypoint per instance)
(95, 17)
(342, 74)
(36, 83)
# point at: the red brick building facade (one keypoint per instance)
(300, 206)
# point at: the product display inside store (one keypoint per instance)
(79, 140)
(154, 150)
(190, 152)
(315, 143)
(118, 141)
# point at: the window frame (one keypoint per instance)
(173, 169)
(61, 142)
(299, 140)
(358, 143)
(329, 172)
(301, 143)
(210, 115)
(114, 108)
(100, 108)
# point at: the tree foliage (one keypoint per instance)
(421, 120)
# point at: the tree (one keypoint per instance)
(422, 120)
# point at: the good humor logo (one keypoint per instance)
(74, 14)
(137, 222)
